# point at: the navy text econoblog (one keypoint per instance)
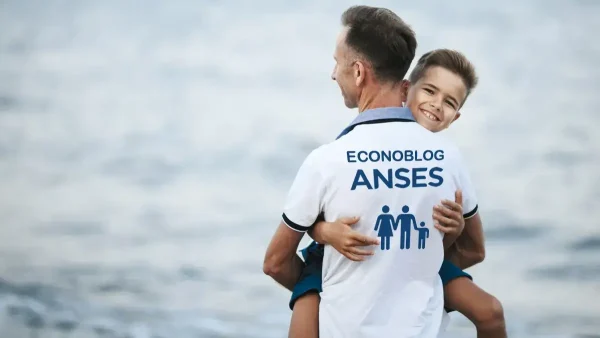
(399, 177)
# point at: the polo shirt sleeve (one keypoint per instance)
(470, 206)
(304, 202)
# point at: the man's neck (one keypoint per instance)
(381, 96)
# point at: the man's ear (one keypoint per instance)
(404, 87)
(360, 73)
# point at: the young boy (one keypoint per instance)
(438, 87)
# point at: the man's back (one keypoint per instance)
(396, 169)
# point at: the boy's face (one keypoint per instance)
(435, 99)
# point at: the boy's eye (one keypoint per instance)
(428, 91)
(451, 104)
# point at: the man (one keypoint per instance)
(440, 75)
(397, 292)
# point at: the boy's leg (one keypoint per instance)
(305, 296)
(305, 317)
(481, 308)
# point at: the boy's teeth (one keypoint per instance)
(431, 117)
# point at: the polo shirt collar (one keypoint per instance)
(380, 115)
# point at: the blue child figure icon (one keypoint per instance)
(423, 233)
(385, 224)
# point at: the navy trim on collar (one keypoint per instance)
(380, 115)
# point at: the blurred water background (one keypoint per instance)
(146, 149)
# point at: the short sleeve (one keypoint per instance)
(305, 198)
(470, 204)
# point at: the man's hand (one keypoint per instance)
(449, 218)
(340, 236)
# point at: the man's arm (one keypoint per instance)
(302, 208)
(281, 261)
(469, 247)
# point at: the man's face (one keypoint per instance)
(344, 71)
(435, 99)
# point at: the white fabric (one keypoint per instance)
(396, 292)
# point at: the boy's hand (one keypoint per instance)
(340, 236)
(449, 216)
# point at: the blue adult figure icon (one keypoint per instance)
(385, 223)
(423, 233)
(405, 220)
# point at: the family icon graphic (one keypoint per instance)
(386, 224)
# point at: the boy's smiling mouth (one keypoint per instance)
(429, 115)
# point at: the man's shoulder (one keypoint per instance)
(321, 154)
(449, 145)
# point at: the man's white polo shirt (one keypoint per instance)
(390, 171)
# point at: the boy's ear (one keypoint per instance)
(404, 87)
(456, 116)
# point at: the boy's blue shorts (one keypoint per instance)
(311, 278)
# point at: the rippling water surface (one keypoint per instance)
(145, 150)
